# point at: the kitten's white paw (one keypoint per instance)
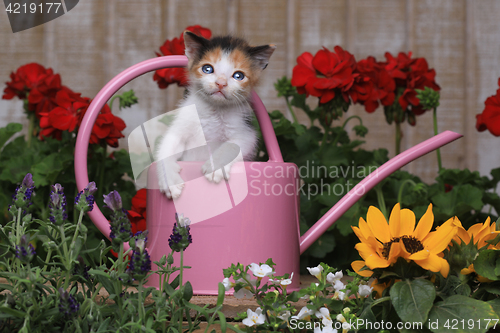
(175, 191)
(168, 173)
(217, 175)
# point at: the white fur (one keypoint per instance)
(223, 110)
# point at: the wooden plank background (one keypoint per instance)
(459, 38)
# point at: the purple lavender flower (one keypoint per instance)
(68, 305)
(25, 250)
(181, 236)
(81, 269)
(113, 201)
(140, 262)
(57, 205)
(85, 199)
(119, 224)
(22, 195)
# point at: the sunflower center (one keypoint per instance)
(412, 245)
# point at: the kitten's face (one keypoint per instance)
(225, 69)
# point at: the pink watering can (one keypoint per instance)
(249, 218)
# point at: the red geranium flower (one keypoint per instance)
(167, 76)
(410, 74)
(324, 73)
(36, 83)
(383, 84)
(66, 116)
(490, 118)
(137, 215)
(107, 127)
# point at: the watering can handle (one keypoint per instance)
(369, 182)
(82, 141)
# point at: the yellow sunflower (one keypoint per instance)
(383, 243)
(479, 233)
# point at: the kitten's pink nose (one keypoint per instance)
(221, 83)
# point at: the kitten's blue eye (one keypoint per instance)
(207, 69)
(238, 76)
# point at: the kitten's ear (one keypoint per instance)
(193, 43)
(261, 54)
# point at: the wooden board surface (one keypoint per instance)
(459, 38)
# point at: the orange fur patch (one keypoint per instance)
(244, 64)
(211, 58)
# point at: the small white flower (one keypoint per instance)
(254, 318)
(325, 329)
(324, 315)
(242, 293)
(183, 221)
(283, 282)
(340, 295)
(338, 285)
(316, 271)
(245, 292)
(304, 313)
(346, 310)
(284, 315)
(331, 278)
(340, 317)
(286, 282)
(227, 284)
(364, 290)
(261, 271)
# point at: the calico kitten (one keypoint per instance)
(222, 73)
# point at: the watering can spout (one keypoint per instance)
(369, 182)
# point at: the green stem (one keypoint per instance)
(323, 141)
(343, 127)
(181, 286)
(380, 300)
(111, 102)
(407, 181)
(181, 268)
(80, 218)
(380, 200)
(18, 226)
(398, 138)
(351, 117)
(142, 315)
(49, 253)
(31, 128)
(295, 120)
(65, 259)
(438, 151)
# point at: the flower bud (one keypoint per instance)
(85, 199)
(119, 224)
(68, 305)
(22, 195)
(57, 205)
(25, 250)
(180, 237)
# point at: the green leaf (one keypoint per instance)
(495, 304)
(461, 199)
(188, 291)
(221, 294)
(413, 300)
(486, 263)
(8, 131)
(222, 321)
(12, 312)
(98, 272)
(455, 313)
